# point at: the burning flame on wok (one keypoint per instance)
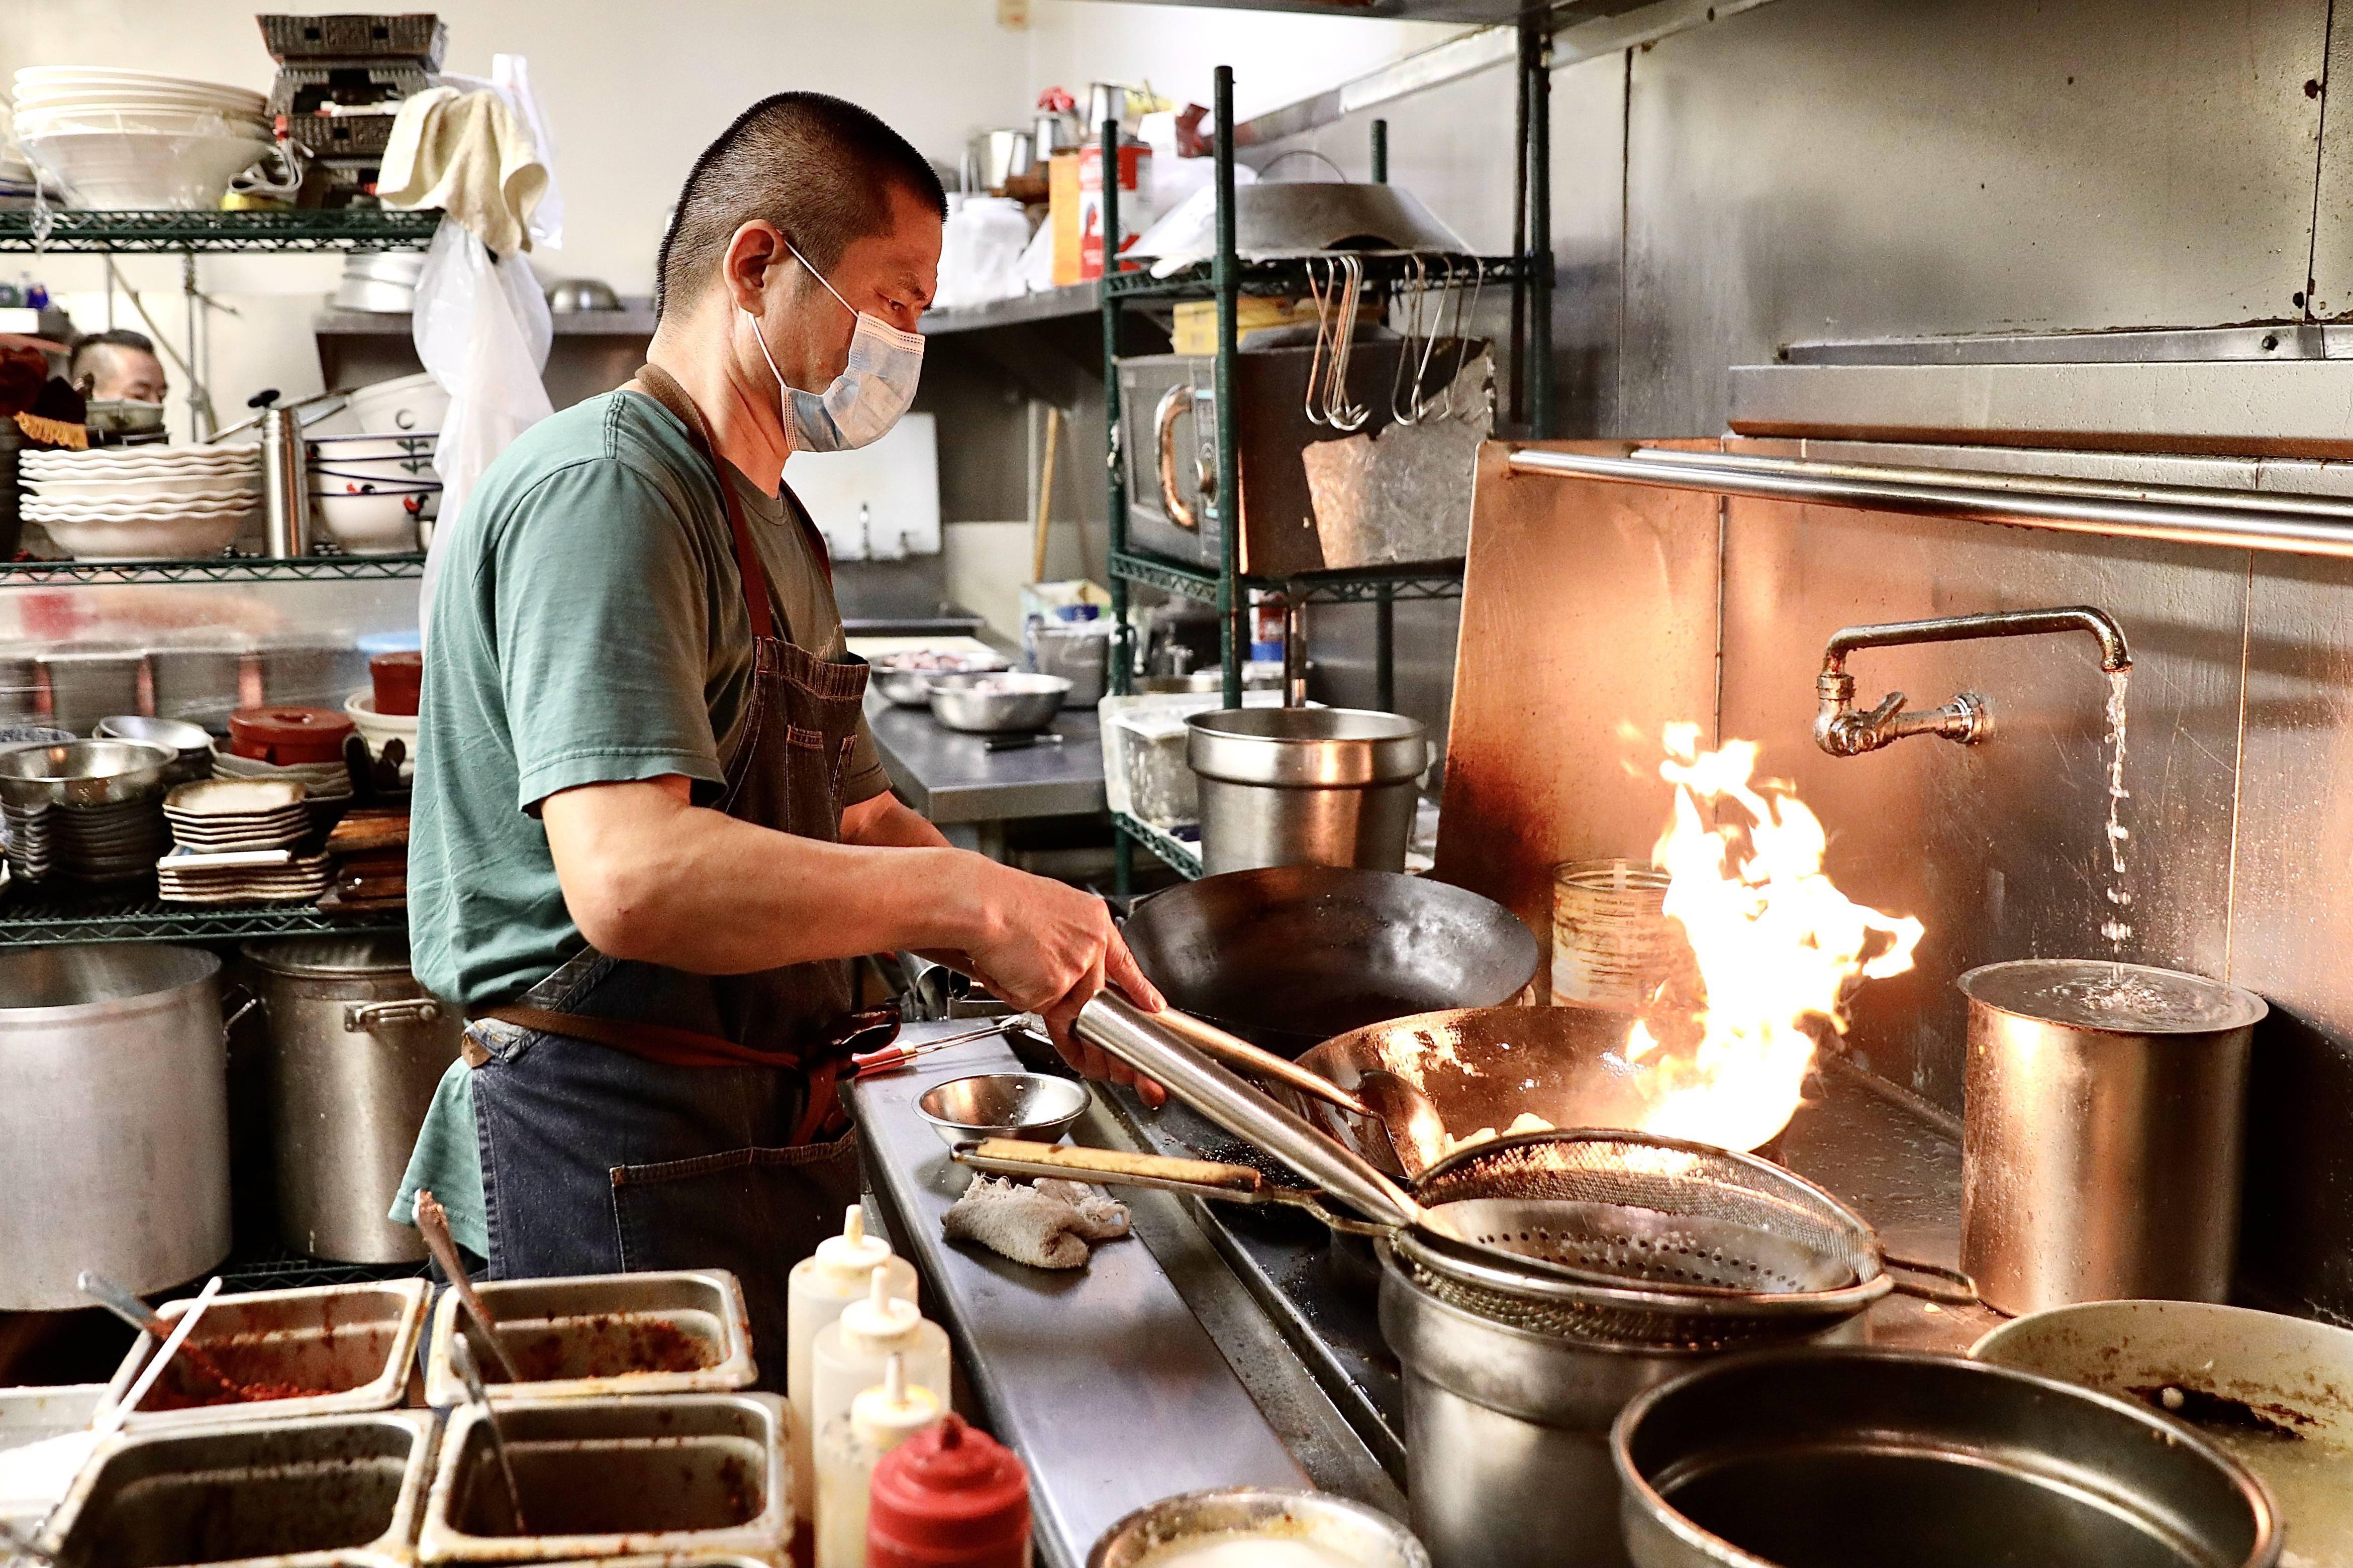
(1776, 946)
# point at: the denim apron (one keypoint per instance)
(637, 1117)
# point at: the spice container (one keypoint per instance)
(397, 678)
(1613, 943)
(847, 1452)
(949, 1496)
(325, 1349)
(285, 737)
(597, 1334)
(850, 1353)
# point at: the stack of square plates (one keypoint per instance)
(229, 816)
(326, 787)
(184, 877)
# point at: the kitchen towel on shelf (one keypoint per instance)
(471, 155)
(1049, 1225)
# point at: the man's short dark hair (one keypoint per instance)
(116, 338)
(820, 168)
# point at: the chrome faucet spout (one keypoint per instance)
(1842, 730)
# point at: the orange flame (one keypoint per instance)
(1777, 944)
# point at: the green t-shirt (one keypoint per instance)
(587, 627)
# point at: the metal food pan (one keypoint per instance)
(355, 1340)
(684, 1474)
(330, 1492)
(34, 1414)
(594, 1334)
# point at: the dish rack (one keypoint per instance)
(1225, 278)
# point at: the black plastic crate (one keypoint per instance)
(303, 90)
(341, 135)
(421, 36)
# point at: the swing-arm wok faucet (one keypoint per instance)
(1843, 730)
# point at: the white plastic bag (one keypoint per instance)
(483, 330)
(980, 253)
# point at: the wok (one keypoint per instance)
(1290, 955)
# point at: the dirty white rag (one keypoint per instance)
(1049, 1225)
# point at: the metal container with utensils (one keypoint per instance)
(678, 1332)
(323, 1492)
(356, 1048)
(1289, 956)
(349, 1347)
(682, 1474)
(2101, 1141)
(113, 1120)
(1799, 1458)
(1322, 786)
(1345, 1534)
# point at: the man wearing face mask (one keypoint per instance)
(649, 828)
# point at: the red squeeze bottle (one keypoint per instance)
(949, 1496)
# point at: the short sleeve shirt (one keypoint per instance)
(587, 627)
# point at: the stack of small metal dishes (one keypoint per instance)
(1000, 702)
(86, 811)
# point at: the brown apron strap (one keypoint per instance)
(655, 1042)
(664, 389)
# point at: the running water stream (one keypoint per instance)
(2116, 927)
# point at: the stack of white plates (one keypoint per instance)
(138, 139)
(326, 787)
(222, 816)
(184, 877)
(142, 503)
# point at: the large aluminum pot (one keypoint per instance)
(113, 1120)
(1314, 786)
(1797, 1459)
(2100, 1142)
(355, 1050)
(1507, 1432)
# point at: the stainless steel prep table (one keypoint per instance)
(968, 791)
(1104, 1378)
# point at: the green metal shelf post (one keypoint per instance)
(1232, 602)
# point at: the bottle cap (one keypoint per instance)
(950, 1494)
(853, 1254)
(882, 1316)
(888, 1416)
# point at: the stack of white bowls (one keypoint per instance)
(142, 503)
(138, 139)
(403, 406)
(381, 281)
(371, 492)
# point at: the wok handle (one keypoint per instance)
(1112, 1167)
(1141, 1041)
(1956, 1289)
(1243, 1057)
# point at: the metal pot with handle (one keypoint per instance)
(356, 1047)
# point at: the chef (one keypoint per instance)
(118, 363)
(650, 829)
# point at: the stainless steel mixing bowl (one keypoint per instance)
(1033, 1106)
(83, 772)
(1003, 702)
(909, 684)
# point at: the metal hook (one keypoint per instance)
(1340, 412)
(1322, 324)
(1410, 314)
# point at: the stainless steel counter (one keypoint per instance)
(956, 781)
(1105, 1379)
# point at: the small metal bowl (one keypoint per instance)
(83, 772)
(998, 702)
(910, 685)
(194, 742)
(1003, 1105)
(1354, 1532)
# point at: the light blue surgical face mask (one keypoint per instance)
(867, 398)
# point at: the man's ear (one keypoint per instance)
(755, 250)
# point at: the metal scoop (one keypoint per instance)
(461, 1357)
(433, 1224)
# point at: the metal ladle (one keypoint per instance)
(433, 1224)
(469, 1371)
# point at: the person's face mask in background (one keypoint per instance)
(867, 398)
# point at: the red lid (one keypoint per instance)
(287, 735)
(950, 1497)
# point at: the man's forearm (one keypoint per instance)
(652, 877)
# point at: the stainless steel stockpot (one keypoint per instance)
(113, 1120)
(1290, 786)
(356, 1048)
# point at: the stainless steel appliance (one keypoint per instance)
(2106, 1107)
(113, 1120)
(355, 1050)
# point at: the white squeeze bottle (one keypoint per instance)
(840, 1271)
(880, 1419)
(852, 1351)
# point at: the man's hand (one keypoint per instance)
(1047, 948)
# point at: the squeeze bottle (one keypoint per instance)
(847, 1451)
(820, 1285)
(851, 1351)
(949, 1496)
